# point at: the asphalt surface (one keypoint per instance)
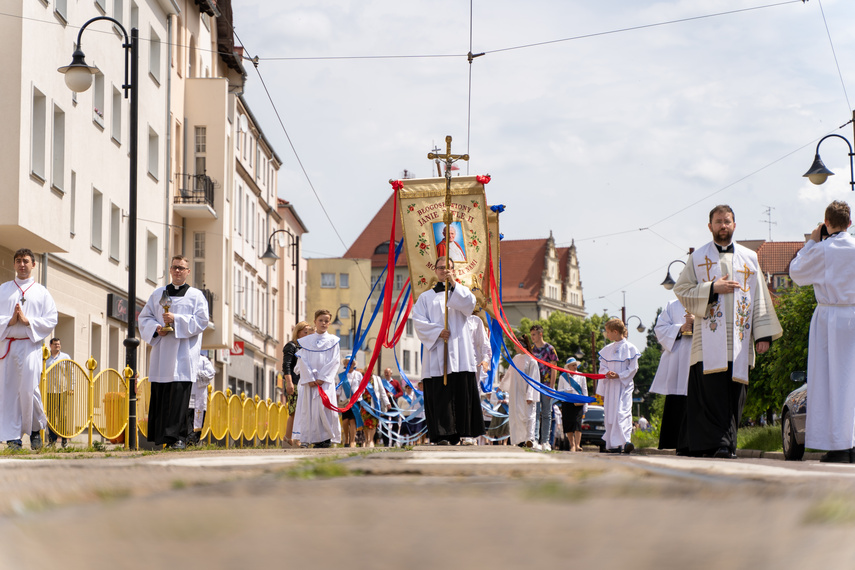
(429, 507)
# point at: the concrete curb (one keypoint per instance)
(740, 453)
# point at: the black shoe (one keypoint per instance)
(323, 445)
(613, 450)
(443, 442)
(14, 444)
(836, 456)
(35, 440)
(194, 438)
(724, 453)
(628, 448)
(179, 444)
(852, 455)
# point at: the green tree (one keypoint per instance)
(770, 380)
(648, 363)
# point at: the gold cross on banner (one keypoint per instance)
(709, 263)
(746, 271)
(449, 160)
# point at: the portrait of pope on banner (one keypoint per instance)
(455, 235)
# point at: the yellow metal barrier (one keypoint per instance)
(75, 399)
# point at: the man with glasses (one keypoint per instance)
(175, 355)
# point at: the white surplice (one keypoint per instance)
(21, 409)
(620, 357)
(521, 413)
(176, 356)
(429, 321)
(318, 359)
(199, 392)
(830, 267)
(693, 290)
(481, 343)
(672, 375)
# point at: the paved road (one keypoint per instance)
(431, 507)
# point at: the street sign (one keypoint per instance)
(637, 400)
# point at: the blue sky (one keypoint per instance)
(620, 141)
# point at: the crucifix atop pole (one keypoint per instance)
(449, 159)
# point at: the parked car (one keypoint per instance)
(593, 427)
(793, 419)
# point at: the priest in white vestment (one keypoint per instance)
(27, 316)
(175, 355)
(619, 364)
(829, 265)
(723, 287)
(453, 410)
(318, 364)
(673, 331)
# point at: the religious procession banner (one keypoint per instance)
(422, 207)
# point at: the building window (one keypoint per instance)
(151, 255)
(344, 280)
(409, 327)
(399, 282)
(97, 209)
(37, 136)
(199, 260)
(58, 170)
(119, 11)
(73, 197)
(153, 156)
(98, 99)
(328, 280)
(115, 231)
(406, 361)
(102, 4)
(201, 149)
(135, 15)
(61, 8)
(116, 119)
(239, 213)
(154, 56)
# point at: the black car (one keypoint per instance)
(793, 419)
(593, 427)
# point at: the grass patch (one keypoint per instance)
(763, 438)
(113, 494)
(555, 491)
(320, 468)
(832, 510)
(179, 484)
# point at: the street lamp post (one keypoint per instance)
(337, 322)
(640, 327)
(669, 282)
(818, 173)
(270, 257)
(78, 77)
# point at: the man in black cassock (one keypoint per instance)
(452, 410)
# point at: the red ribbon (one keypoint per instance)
(483, 179)
(9, 346)
(385, 322)
(396, 185)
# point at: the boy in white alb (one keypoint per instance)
(619, 362)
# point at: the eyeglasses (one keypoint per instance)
(179, 268)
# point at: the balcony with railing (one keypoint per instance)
(194, 196)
